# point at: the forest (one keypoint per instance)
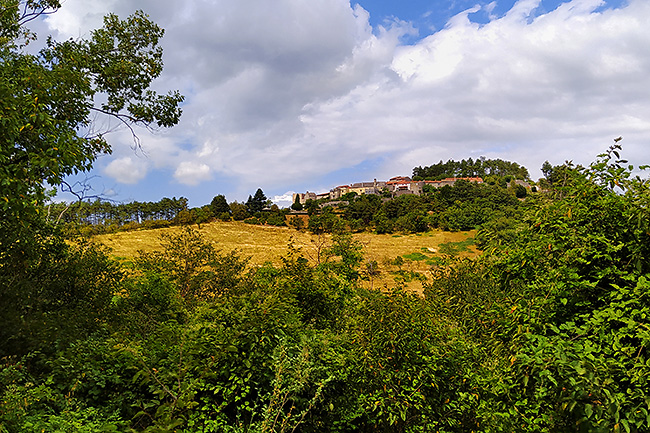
(546, 331)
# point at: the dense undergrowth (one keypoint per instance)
(546, 332)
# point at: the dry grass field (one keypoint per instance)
(418, 252)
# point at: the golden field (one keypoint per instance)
(262, 244)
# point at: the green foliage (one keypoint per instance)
(202, 215)
(562, 296)
(276, 216)
(547, 331)
(219, 205)
(194, 265)
(296, 204)
(327, 222)
(254, 221)
(349, 196)
(297, 223)
(363, 208)
(53, 292)
(312, 207)
(417, 256)
(48, 101)
(349, 254)
(453, 248)
(410, 370)
(520, 191)
(239, 211)
(469, 168)
(95, 217)
(257, 202)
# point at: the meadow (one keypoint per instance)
(403, 258)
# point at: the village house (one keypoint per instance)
(302, 198)
(523, 183)
(374, 187)
(401, 185)
(397, 186)
(336, 193)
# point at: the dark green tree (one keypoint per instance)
(561, 300)
(296, 204)
(547, 170)
(239, 211)
(219, 205)
(256, 202)
(312, 207)
(520, 191)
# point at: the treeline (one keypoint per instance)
(107, 213)
(471, 168)
(464, 206)
(100, 216)
(547, 331)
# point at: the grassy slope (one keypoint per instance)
(268, 243)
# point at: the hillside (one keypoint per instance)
(419, 252)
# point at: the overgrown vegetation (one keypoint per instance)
(547, 331)
(464, 206)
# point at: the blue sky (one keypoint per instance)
(432, 15)
(296, 95)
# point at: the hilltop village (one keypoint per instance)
(396, 186)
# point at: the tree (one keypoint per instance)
(48, 105)
(219, 205)
(312, 207)
(563, 302)
(49, 99)
(520, 191)
(349, 196)
(192, 262)
(296, 204)
(202, 214)
(239, 211)
(257, 202)
(547, 170)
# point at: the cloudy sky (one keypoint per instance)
(295, 95)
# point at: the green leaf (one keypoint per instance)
(626, 424)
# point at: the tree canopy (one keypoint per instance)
(256, 202)
(470, 168)
(49, 105)
(219, 205)
(50, 99)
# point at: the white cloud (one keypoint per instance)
(127, 170)
(561, 84)
(284, 200)
(280, 92)
(192, 173)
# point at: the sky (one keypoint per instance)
(296, 95)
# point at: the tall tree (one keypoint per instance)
(257, 202)
(296, 204)
(49, 100)
(48, 106)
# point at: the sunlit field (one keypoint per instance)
(398, 258)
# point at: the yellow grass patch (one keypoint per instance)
(268, 244)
